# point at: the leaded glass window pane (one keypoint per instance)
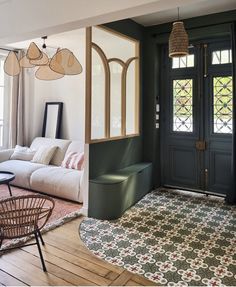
(221, 57)
(223, 106)
(182, 105)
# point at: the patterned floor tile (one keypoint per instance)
(171, 238)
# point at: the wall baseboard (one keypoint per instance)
(84, 210)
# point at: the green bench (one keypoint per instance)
(111, 194)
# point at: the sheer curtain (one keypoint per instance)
(16, 108)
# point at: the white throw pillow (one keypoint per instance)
(23, 153)
(44, 154)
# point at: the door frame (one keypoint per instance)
(200, 90)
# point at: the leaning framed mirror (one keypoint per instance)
(52, 120)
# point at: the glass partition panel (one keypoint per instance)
(115, 98)
(114, 92)
(130, 100)
(113, 45)
(97, 97)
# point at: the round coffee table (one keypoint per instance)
(6, 177)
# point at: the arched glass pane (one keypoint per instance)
(115, 98)
(131, 100)
(97, 97)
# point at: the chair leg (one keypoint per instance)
(40, 251)
(41, 238)
(9, 188)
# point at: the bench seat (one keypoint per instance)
(112, 193)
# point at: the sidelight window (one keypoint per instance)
(183, 105)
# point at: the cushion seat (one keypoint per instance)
(22, 170)
(61, 182)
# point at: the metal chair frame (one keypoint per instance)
(22, 216)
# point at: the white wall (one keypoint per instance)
(70, 90)
(26, 19)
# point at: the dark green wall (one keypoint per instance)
(215, 25)
(113, 155)
(108, 156)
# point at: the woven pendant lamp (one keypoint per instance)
(178, 41)
(11, 65)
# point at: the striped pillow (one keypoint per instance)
(74, 160)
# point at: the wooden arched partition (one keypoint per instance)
(125, 65)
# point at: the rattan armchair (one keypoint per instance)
(22, 216)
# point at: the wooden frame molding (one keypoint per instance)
(125, 65)
(107, 87)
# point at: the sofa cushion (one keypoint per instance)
(22, 170)
(44, 154)
(23, 153)
(74, 160)
(62, 146)
(75, 146)
(58, 181)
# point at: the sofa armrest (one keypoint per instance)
(6, 154)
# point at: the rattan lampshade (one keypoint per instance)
(178, 41)
(64, 62)
(25, 63)
(33, 52)
(40, 62)
(45, 73)
(11, 64)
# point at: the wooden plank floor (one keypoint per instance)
(68, 262)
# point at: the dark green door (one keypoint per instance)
(196, 118)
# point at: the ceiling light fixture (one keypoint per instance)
(63, 62)
(178, 40)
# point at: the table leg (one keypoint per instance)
(9, 188)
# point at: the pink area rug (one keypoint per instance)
(63, 212)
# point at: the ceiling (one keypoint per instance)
(199, 8)
(62, 40)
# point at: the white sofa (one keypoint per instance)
(51, 179)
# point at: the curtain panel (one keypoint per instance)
(16, 108)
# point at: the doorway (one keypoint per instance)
(196, 118)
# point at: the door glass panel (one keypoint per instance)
(222, 57)
(182, 105)
(222, 93)
(183, 62)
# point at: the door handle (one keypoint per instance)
(200, 145)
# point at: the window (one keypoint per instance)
(222, 57)
(2, 87)
(183, 62)
(113, 105)
(182, 105)
(5, 84)
(223, 106)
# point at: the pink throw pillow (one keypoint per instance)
(73, 160)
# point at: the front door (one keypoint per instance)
(196, 118)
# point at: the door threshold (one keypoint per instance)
(196, 190)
